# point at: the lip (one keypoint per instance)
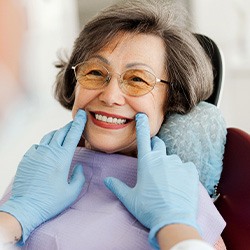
(107, 125)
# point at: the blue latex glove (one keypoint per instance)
(166, 191)
(41, 187)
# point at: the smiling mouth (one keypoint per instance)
(109, 119)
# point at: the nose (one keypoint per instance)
(112, 94)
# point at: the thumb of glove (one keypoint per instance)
(77, 181)
(118, 188)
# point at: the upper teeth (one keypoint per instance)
(109, 119)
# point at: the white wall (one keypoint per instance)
(51, 25)
(227, 22)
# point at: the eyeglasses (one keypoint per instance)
(134, 82)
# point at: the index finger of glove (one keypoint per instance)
(142, 134)
(75, 132)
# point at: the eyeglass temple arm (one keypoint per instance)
(164, 81)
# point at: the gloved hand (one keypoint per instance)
(166, 191)
(41, 187)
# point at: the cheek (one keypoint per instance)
(155, 121)
(156, 112)
(75, 108)
(82, 98)
(153, 105)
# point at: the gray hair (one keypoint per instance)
(187, 65)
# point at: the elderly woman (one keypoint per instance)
(134, 57)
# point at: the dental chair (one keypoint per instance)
(233, 190)
(216, 57)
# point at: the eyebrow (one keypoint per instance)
(101, 59)
(129, 65)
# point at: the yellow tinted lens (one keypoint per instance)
(137, 82)
(91, 75)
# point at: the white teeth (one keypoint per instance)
(104, 118)
(109, 119)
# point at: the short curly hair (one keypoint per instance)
(187, 64)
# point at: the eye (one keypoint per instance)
(95, 73)
(137, 79)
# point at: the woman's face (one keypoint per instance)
(124, 52)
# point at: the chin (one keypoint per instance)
(129, 149)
